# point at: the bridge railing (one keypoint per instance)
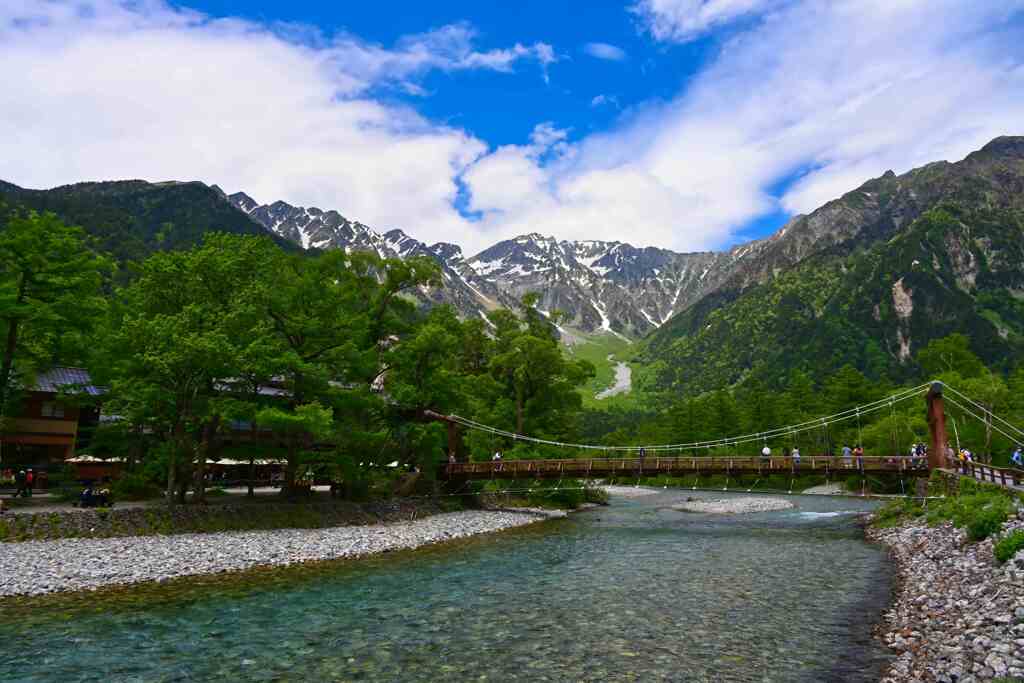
(651, 466)
(1003, 476)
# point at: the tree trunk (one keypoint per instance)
(205, 447)
(289, 469)
(172, 475)
(9, 348)
(178, 443)
(8, 364)
(252, 477)
(519, 413)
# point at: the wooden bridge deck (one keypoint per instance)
(598, 468)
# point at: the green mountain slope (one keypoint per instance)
(868, 279)
(131, 219)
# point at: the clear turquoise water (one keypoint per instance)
(632, 592)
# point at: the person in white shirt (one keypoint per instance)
(796, 455)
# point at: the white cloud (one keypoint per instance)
(449, 48)
(840, 92)
(109, 90)
(684, 20)
(601, 100)
(605, 51)
(846, 89)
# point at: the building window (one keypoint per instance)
(51, 409)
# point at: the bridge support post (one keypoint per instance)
(937, 425)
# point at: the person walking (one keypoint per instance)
(858, 453)
(30, 481)
(795, 455)
(1017, 458)
(766, 455)
(19, 484)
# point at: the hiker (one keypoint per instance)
(1017, 458)
(796, 455)
(30, 481)
(847, 456)
(858, 453)
(766, 454)
(19, 484)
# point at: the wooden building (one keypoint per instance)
(47, 428)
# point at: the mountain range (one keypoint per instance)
(866, 279)
(600, 286)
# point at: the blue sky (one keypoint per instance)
(687, 124)
(503, 108)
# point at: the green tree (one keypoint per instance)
(186, 324)
(539, 381)
(950, 354)
(50, 293)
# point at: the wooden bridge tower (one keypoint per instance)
(937, 425)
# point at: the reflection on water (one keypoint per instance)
(632, 592)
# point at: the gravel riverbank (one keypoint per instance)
(734, 506)
(957, 615)
(37, 567)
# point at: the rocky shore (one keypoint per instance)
(38, 567)
(957, 614)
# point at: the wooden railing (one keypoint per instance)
(1003, 476)
(654, 466)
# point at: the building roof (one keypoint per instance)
(62, 378)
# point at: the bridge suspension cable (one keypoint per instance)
(970, 412)
(809, 425)
(989, 413)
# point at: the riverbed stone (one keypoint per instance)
(38, 567)
(957, 614)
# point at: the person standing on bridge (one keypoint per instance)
(858, 453)
(766, 453)
(796, 456)
(847, 457)
(1017, 458)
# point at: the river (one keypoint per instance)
(634, 591)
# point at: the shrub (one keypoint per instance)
(968, 486)
(134, 486)
(985, 523)
(895, 511)
(1008, 546)
(981, 513)
(593, 494)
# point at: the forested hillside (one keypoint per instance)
(131, 219)
(868, 280)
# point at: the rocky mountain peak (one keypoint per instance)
(1007, 146)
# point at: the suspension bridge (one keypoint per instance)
(720, 456)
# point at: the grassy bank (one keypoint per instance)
(979, 509)
(109, 523)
